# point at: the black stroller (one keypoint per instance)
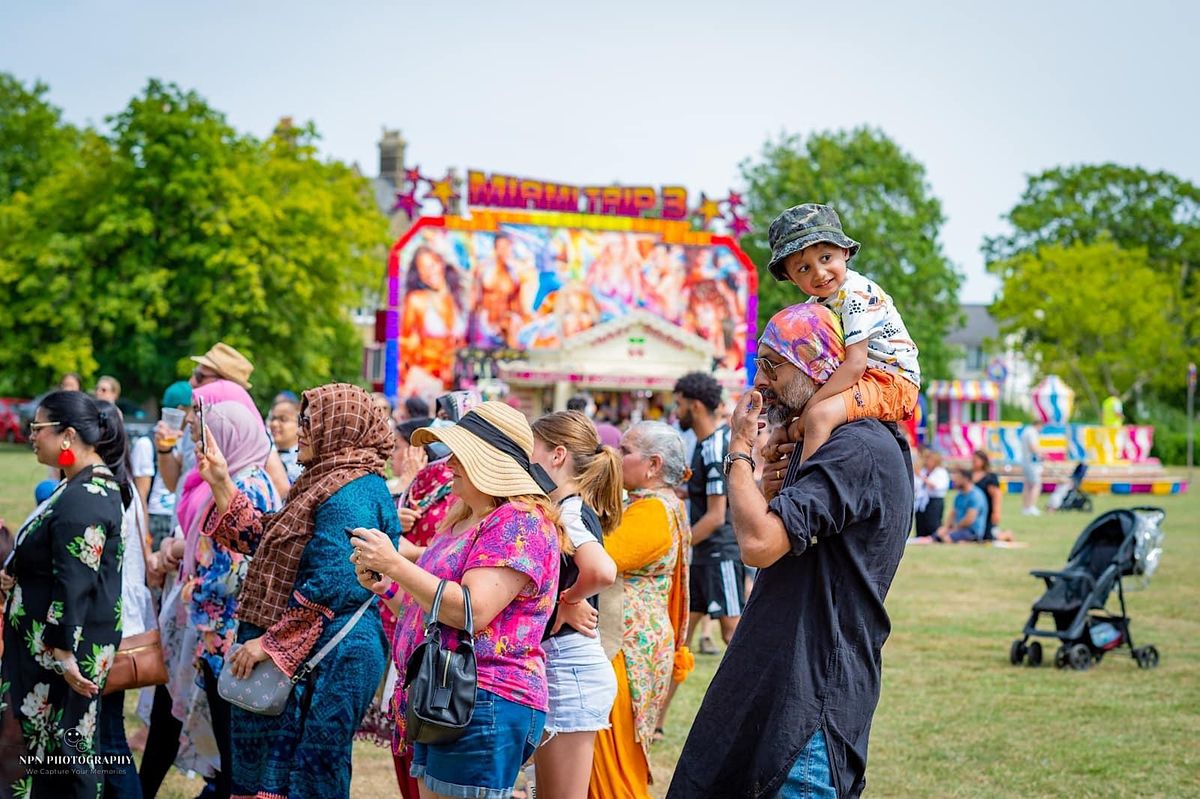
(1117, 544)
(1075, 498)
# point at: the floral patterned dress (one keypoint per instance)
(67, 565)
(649, 640)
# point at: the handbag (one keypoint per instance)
(139, 660)
(138, 663)
(266, 689)
(440, 683)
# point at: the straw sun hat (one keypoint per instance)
(494, 443)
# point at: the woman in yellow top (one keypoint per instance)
(649, 547)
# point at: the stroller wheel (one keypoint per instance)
(1060, 657)
(1016, 652)
(1080, 657)
(1147, 657)
(1034, 656)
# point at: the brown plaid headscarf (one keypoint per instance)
(350, 436)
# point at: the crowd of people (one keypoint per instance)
(298, 571)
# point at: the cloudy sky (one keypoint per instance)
(660, 92)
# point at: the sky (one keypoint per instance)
(660, 92)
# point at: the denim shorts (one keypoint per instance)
(483, 764)
(581, 682)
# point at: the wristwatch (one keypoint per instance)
(731, 457)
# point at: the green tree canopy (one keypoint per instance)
(1135, 211)
(174, 231)
(33, 137)
(1105, 336)
(884, 202)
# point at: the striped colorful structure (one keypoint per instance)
(1053, 400)
(1160, 486)
(1093, 444)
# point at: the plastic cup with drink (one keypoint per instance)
(171, 428)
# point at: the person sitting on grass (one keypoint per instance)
(970, 512)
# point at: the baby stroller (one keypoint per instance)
(1116, 545)
(1071, 496)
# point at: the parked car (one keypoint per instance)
(12, 429)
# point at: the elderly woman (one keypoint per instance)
(502, 542)
(300, 590)
(63, 596)
(650, 547)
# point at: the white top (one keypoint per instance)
(1031, 445)
(940, 479)
(571, 510)
(868, 314)
(137, 607)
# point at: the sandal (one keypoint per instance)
(707, 647)
(659, 736)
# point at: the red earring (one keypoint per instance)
(66, 457)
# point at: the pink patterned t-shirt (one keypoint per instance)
(508, 653)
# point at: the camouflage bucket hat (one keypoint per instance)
(803, 226)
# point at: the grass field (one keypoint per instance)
(955, 719)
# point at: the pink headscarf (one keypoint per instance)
(196, 494)
(809, 336)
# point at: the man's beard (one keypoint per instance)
(790, 401)
(685, 422)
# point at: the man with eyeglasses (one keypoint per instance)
(789, 711)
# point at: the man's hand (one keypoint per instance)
(745, 423)
(775, 469)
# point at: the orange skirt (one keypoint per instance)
(619, 768)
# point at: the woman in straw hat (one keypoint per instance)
(650, 548)
(580, 677)
(502, 541)
(300, 590)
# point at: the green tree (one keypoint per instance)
(33, 138)
(1105, 336)
(173, 232)
(1134, 209)
(884, 201)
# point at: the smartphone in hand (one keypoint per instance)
(202, 444)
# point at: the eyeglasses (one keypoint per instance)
(768, 366)
(203, 377)
(302, 419)
(36, 426)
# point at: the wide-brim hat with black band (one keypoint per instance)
(494, 444)
(803, 226)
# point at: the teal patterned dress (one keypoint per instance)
(305, 752)
(67, 565)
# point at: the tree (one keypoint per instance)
(1098, 314)
(1135, 210)
(884, 202)
(33, 138)
(173, 232)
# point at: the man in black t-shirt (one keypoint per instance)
(717, 576)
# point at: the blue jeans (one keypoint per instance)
(120, 781)
(810, 777)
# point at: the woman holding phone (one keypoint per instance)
(300, 590)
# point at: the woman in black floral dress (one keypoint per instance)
(63, 597)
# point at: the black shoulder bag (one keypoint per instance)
(440, 683)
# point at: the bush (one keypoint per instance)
(1170, 447)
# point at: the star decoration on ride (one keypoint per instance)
(707, 210)
(444, 191)
(738, 225)
(407, 202)
(734, 201)
(414, 176)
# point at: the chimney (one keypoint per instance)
(391, 157)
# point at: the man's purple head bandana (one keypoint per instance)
(809, 336)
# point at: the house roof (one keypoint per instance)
(978, 326)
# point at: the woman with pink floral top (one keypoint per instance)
(502, 541)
